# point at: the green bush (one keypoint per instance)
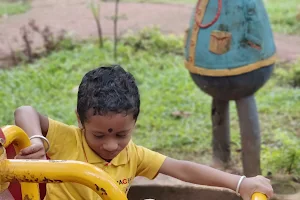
(284, 157)
(13, 8)
(151, 39)
(296, 75)
(288, 74)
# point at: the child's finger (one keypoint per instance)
(36, 155)
(269, 191)
(265, 187)
(43, 157)
(32, 149)
(267, 184)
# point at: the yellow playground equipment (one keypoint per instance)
(29, 173)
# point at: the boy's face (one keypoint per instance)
(108, 135)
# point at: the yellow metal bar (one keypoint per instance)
(3, 185)
(62, 171)
(259, 196)
(16, 136)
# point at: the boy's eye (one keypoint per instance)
(99, 136)
(122, 136)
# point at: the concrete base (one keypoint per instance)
(168, 188)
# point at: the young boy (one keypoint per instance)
(108, 106)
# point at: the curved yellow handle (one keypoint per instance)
(3, 185)
(31, 172)
(16, 136)
(259, 196)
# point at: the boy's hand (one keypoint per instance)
(35, 151)
(255, 184)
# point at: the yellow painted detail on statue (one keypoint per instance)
(220, 42)
(230, 72)
(200, 11)
(185, 37)
(3, 186)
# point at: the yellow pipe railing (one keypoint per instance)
(61, 171)
(3, 185)
(32, 172)
(16, 136)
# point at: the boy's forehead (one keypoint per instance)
(109, 122)
(109, 116)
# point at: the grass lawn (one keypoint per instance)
(13, 8)
(283, 15)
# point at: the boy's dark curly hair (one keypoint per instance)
(108, 89)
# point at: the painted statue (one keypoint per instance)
(230, 53)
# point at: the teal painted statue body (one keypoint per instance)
(251, 38)
(230, 54)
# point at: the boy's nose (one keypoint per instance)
(110, 146)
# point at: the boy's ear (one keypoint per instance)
(78, 119)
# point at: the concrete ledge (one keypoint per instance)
(165, 188)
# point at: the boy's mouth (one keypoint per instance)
(109, 155)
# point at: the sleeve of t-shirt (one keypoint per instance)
(149, 162)
(62, 139)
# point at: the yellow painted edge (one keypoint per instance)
(230, 72)
(195, 30)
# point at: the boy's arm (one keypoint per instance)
(32, 123)
(204, 175)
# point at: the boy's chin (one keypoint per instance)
(107, 160)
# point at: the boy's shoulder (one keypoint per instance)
(58, 124)
(60, 131)
(133, 149)
(140, 150)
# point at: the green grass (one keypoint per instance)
(165, 87)
(13, 8)
(282, 13)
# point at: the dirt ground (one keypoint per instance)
(76, 17)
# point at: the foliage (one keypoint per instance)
(151, 39)
(283, 15)
(288, 74)
(285, 156)
(95, 8)
(13, 8)
(51, 42)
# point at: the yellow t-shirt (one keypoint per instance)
(68, 143)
